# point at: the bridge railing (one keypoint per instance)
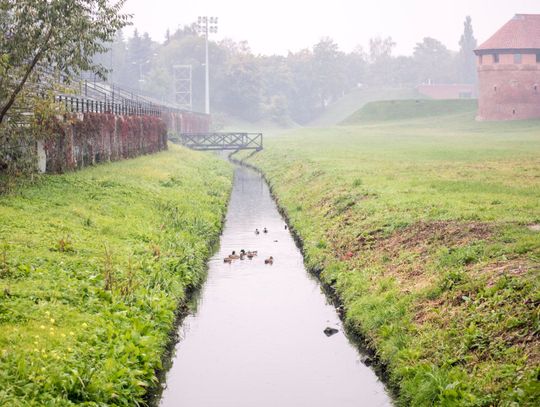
(222, 141)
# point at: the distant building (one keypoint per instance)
(509, 71)
(447, 91)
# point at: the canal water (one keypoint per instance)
(257, 336)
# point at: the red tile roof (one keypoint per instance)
(521, 32)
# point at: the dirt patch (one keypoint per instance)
(535, 227)
(514, 267)
(418, 238)
(405, 253)
(421, 236)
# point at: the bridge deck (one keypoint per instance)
(222, 141)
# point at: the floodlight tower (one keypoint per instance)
(207, 25)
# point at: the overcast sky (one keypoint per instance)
(279, 26)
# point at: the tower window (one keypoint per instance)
(517, 58)
(496, 58)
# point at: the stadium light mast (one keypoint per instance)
(207, 25)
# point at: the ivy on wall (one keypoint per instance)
(86, 139)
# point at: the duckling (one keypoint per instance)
(269, 260)
(265, 230)
(257, 231)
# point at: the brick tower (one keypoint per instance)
(509, 71)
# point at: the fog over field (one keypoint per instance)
(276, 27)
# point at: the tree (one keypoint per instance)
(380, 48)
(329, 70)
(380, 56)
(59, 34)
(305, 101)
(466, 58)
(434, 62)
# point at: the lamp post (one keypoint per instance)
(207, 25)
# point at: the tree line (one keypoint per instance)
(295, 87)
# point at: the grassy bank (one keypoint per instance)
(356, 99)
(428, 228)
(93, 266)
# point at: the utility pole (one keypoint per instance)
(207, 25)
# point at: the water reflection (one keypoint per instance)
(257, 337)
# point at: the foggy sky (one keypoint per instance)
(279, 26)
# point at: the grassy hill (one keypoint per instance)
(427, 226)
(351, 102)
(409, 109)
(93, 267)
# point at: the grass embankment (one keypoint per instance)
(351, 102)
(93, 266)
(429, 231)
(392, 110)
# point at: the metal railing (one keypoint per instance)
(222, 141)
(91, 96)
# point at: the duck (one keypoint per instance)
(250, 255)
(269, 260)
(257, 231)
(242, 255)
(265, 230)
(227, 260)
(233, 255)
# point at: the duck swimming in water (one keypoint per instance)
(227, 260)
(265, 230)
(257, 231)
(269, 260)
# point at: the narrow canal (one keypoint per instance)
(256, 338)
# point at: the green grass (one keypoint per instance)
(409, 109)
(423, 226)
(93, 266)
(356, 99)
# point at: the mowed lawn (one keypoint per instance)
(429, 229)
(93, 267)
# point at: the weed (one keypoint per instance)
(445, 274)
(156, 250)
(108, 269)
(64, 245)
(357, 182)
(4, 266)
(90, 327)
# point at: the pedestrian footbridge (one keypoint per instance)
(222, 141)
